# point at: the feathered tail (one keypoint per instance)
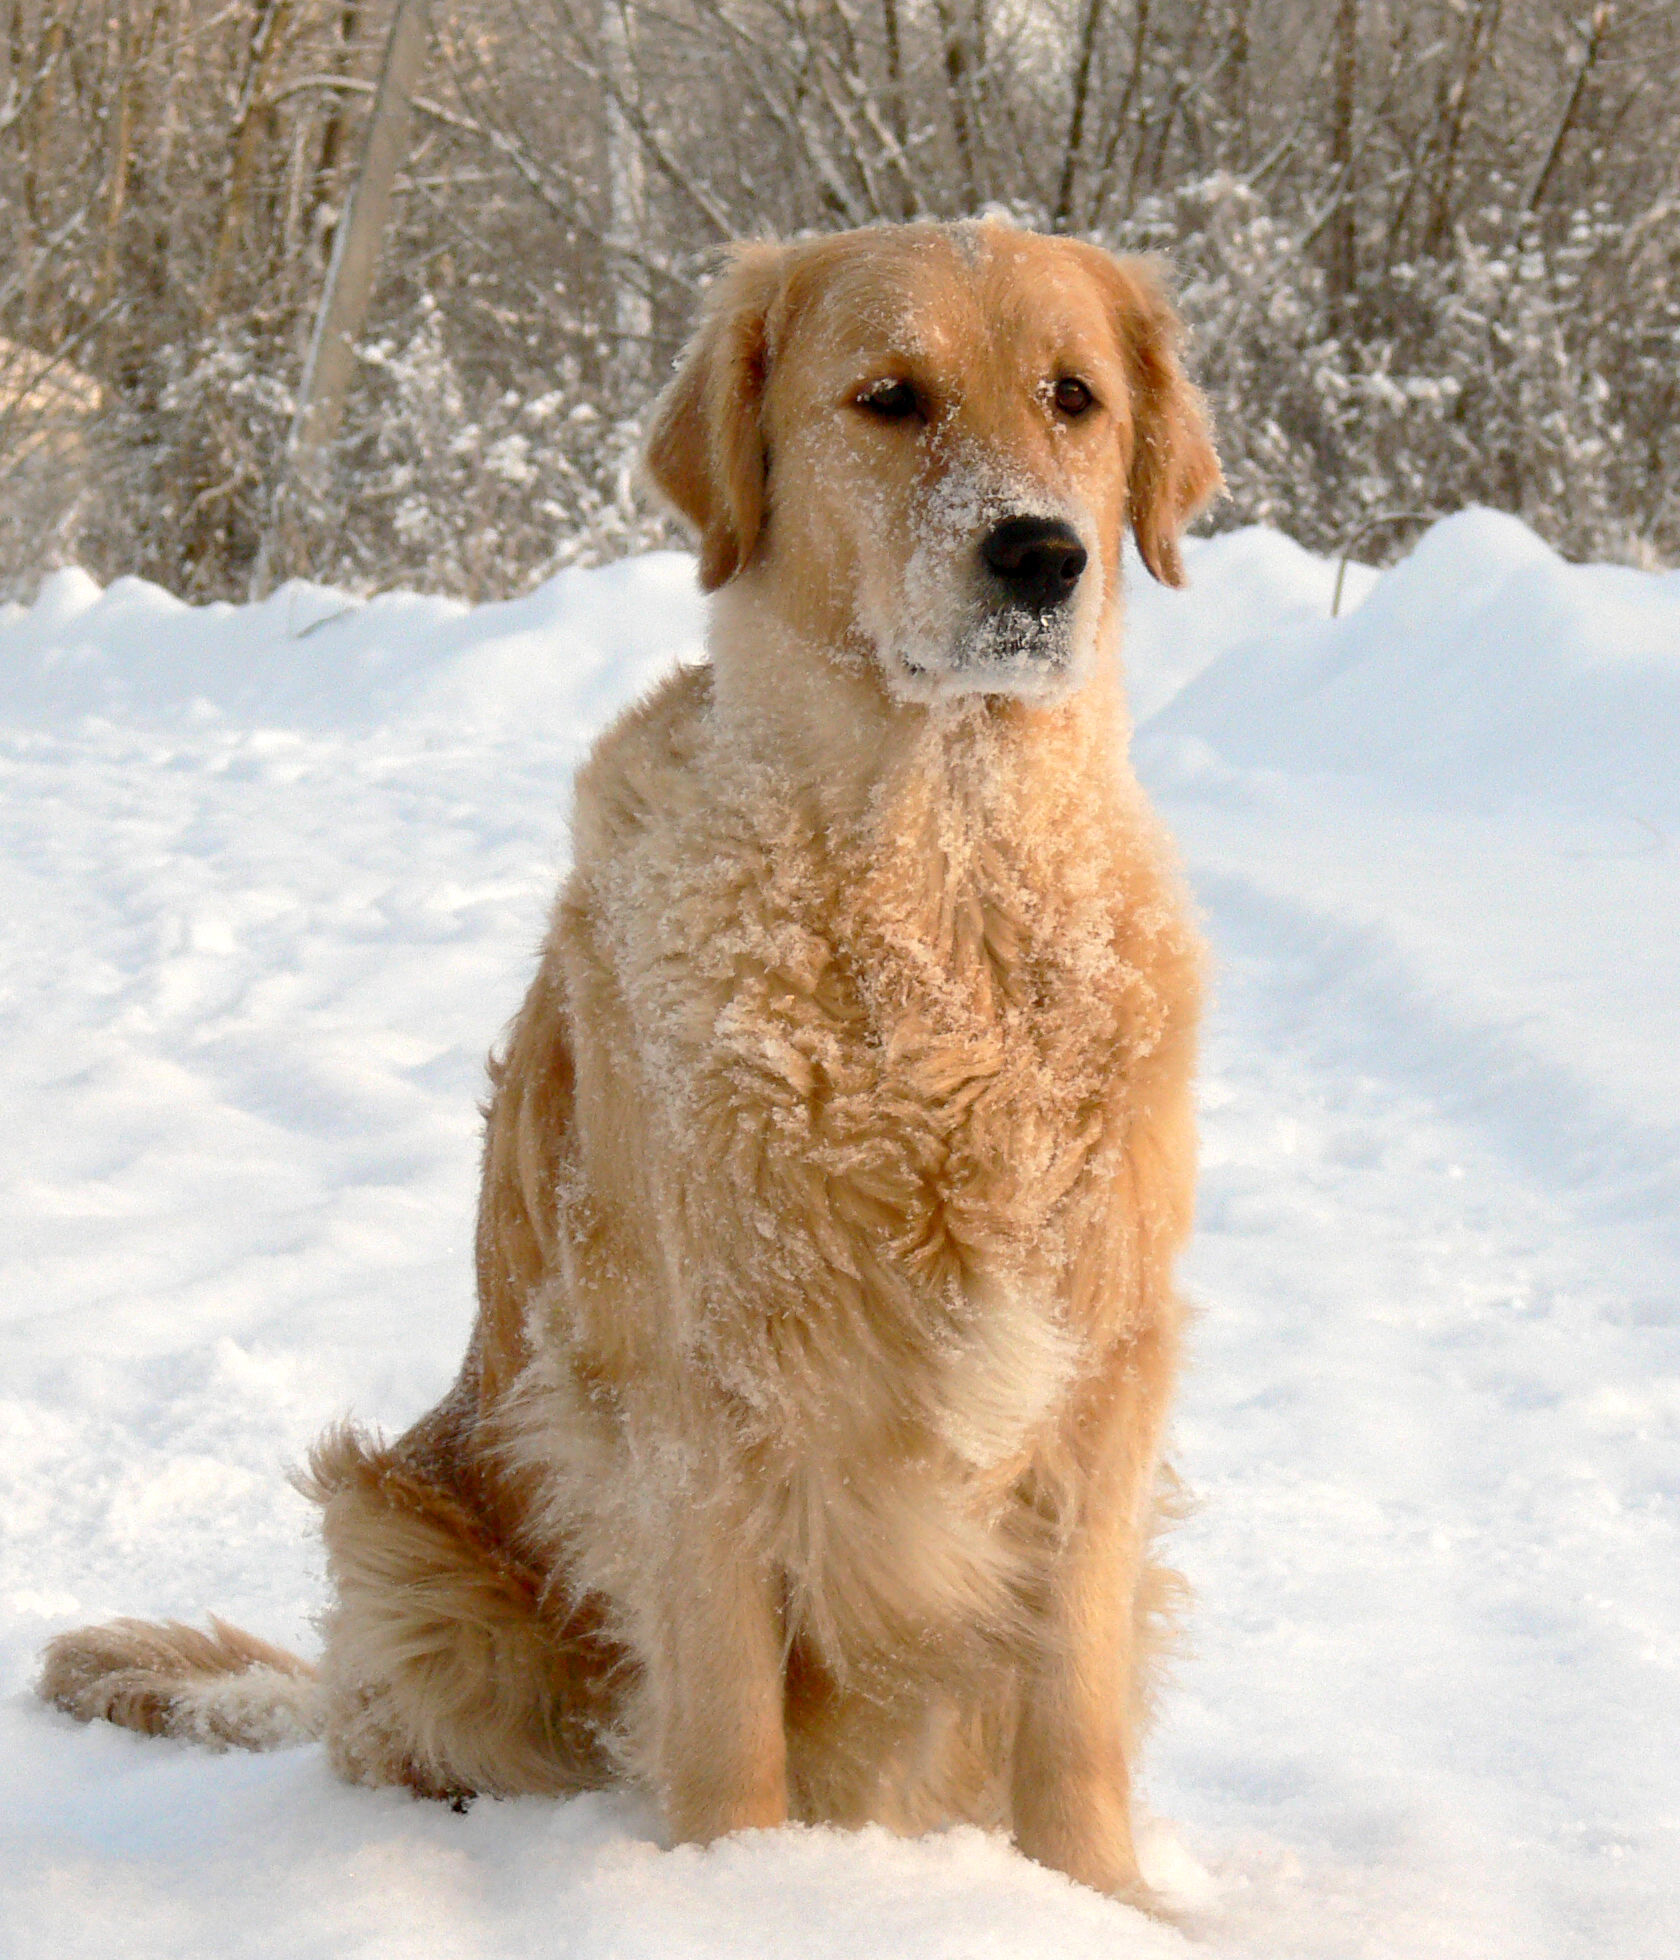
(224, 1688)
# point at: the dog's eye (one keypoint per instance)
(892, 401)
(1072, 396)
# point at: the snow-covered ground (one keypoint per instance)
(273, 877)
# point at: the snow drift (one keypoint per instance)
(1482, 663)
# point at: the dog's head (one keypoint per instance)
(926, 441)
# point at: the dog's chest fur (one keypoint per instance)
(891, 1064)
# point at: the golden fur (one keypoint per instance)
(806, 1453)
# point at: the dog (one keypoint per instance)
(806, 1456)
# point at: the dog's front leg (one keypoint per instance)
(716, 1675)
(1072, 1772)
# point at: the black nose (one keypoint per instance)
(1039, 560)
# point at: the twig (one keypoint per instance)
(1357, 537)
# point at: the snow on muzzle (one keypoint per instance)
(1001, 594)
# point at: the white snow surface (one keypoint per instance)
(273, 878)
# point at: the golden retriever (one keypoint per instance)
(805, 1456)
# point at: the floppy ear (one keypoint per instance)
(1174, 471)
(705, 452)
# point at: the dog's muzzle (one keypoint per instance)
(1009, 607)
(1021, 637)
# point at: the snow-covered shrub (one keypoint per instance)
(1501, 372)
(455, 481)
(184, 458)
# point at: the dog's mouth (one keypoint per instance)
(1000, 651)
(1006, 640)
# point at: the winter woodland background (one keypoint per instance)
(1430, 250)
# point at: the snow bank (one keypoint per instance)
(271, 878)
(311, 658)
(1481, 664)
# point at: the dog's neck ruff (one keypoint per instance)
(825, 719)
